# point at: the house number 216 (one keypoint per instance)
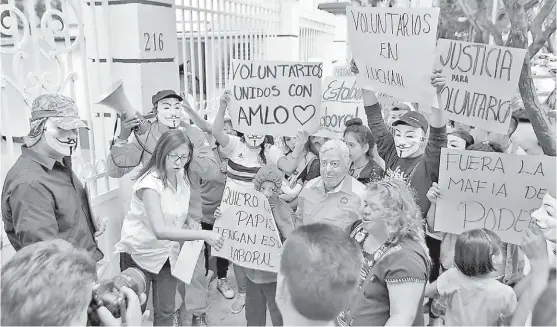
(153, 41)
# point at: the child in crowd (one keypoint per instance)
(361, 143)
(473, 297)
(262, 285)
(246, 153)
(459, 139)
(307, 169)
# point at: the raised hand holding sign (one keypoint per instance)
(275, 98)
(481, 80)
(245, 220)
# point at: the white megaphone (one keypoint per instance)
(117, 100)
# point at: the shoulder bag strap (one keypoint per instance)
(349, 314)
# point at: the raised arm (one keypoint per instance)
(529, 289)
(203, 161)
(383, 136)
(438, 131)
(204, 125)
(218, 125)
(289, 163)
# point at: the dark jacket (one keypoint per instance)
(420, 171)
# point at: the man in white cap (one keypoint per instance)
(42, 198)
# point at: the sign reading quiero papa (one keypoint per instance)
(251, 237)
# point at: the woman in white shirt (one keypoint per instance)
(156, 223)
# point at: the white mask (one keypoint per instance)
(169, 112)
(254, 140)
(546, 219)
(60, 140)
(408, 140)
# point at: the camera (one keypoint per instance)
(107, 293)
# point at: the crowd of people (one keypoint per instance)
(356, 216)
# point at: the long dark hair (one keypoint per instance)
(308, 147)
(169, 141)
(267, 140)
(473, 251)
(362, 134)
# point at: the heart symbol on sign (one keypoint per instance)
(307, 111)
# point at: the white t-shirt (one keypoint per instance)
(244, 162)
(474, 301)
(138, 238)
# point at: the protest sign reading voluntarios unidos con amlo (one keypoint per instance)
(481, 80)
(394, 49)
(251, 237)
(490, 190)
(275, 98)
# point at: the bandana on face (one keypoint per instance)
(545, 217)
(254, 140)
(61, 141)
(408, 140)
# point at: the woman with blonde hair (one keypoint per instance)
(396, 261)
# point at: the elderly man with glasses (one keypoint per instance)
(335, 197)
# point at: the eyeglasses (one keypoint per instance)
(178, 159)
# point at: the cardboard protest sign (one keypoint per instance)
(275, 98)
(394, 49)
(342, 70)
(341, 101)
(490, 190)
(385, 100)
(481, 80)
(251, 237)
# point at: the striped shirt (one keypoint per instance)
(244, 162)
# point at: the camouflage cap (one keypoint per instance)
(61, 109)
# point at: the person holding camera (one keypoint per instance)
(50, 283)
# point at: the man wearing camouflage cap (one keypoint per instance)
(42, 198)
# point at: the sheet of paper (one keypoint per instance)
(496, 191)
(187, 260)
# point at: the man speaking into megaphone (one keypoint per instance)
(134, 149)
